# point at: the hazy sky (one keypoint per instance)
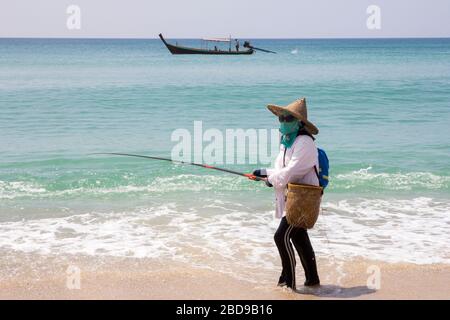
(240, 18)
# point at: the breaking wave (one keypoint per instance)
(363, 180)
(98, 188)
(366, 179)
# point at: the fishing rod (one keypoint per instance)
(247, 175)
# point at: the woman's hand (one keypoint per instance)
(262, 173)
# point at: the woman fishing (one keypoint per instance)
(297, 162)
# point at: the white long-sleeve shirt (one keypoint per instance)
(298, 167)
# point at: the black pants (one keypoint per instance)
(299, 237)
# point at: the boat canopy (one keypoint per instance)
(217, 39)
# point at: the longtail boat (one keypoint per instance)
(176, 49)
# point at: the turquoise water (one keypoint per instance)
(382, 107)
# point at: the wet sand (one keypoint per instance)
(30, 276)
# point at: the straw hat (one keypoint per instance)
(298, 110)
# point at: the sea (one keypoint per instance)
(382, 107)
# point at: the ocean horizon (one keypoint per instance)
(250, 38)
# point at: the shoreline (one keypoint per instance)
(49, 277)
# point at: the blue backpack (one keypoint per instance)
(324, 165)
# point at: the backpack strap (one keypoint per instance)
(317, 173)
(318, 178)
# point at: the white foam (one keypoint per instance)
(391, 181)
(360, 180)
(183, 182)
(415, 230)
(13, 189)
(226, 237)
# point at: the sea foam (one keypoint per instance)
(226, 237)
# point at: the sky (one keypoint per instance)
(239, 18)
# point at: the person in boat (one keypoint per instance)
(215, 48)
(237, 45)
(295, 163)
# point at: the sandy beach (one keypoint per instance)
(47, 277)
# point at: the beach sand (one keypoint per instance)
(31, 276)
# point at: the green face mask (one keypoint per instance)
(289, 132)
(287, 128)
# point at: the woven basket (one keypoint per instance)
(303, 205)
